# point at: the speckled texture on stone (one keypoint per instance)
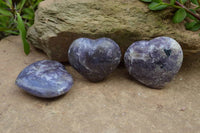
(94, 59)
(59, 22)
(154, 62)
(45, 79)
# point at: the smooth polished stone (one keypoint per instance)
(154, 63)
(94, 59)
(46, 79)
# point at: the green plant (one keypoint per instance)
(16, 17)
(186, 10)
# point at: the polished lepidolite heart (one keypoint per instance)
(45, 79)
(94, 59)
(154, 62)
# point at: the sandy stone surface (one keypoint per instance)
(116, 105)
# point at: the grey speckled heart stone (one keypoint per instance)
(94, 59)
(154, 62)
(46, 79)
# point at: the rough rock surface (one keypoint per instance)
(155, 62)
(58, 23)
(45, 79)
(94, 59)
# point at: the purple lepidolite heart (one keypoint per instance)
(45, 79)
(94, 59)
(154, 62)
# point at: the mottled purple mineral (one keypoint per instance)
(45, 79)
(154, 62)
(94, 59)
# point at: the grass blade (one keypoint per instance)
(21, 4)
(5, 12)
(22, 31)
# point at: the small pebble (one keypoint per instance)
(46, 79)
(183, 109)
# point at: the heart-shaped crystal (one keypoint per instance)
(154, 62)
(94, 59)
(45, 79)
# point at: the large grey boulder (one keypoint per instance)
(58, 23)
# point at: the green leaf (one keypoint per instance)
(28, 17)
(28, 11)
(3, 28)
(146, 0)
(195, 2)
(11, 32)
(196, 27)
(172, 2)
(191, 16)
(179, 15)
(156, 6)
(157, 1)
(22, 31)
(3, 16)
(38, 1)
(2, 2)
(30, 23)
(189, 25)
(4, 20)
(193, 26)
(10, 2)
(20, 5)
(184, 1)
(5, 12)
